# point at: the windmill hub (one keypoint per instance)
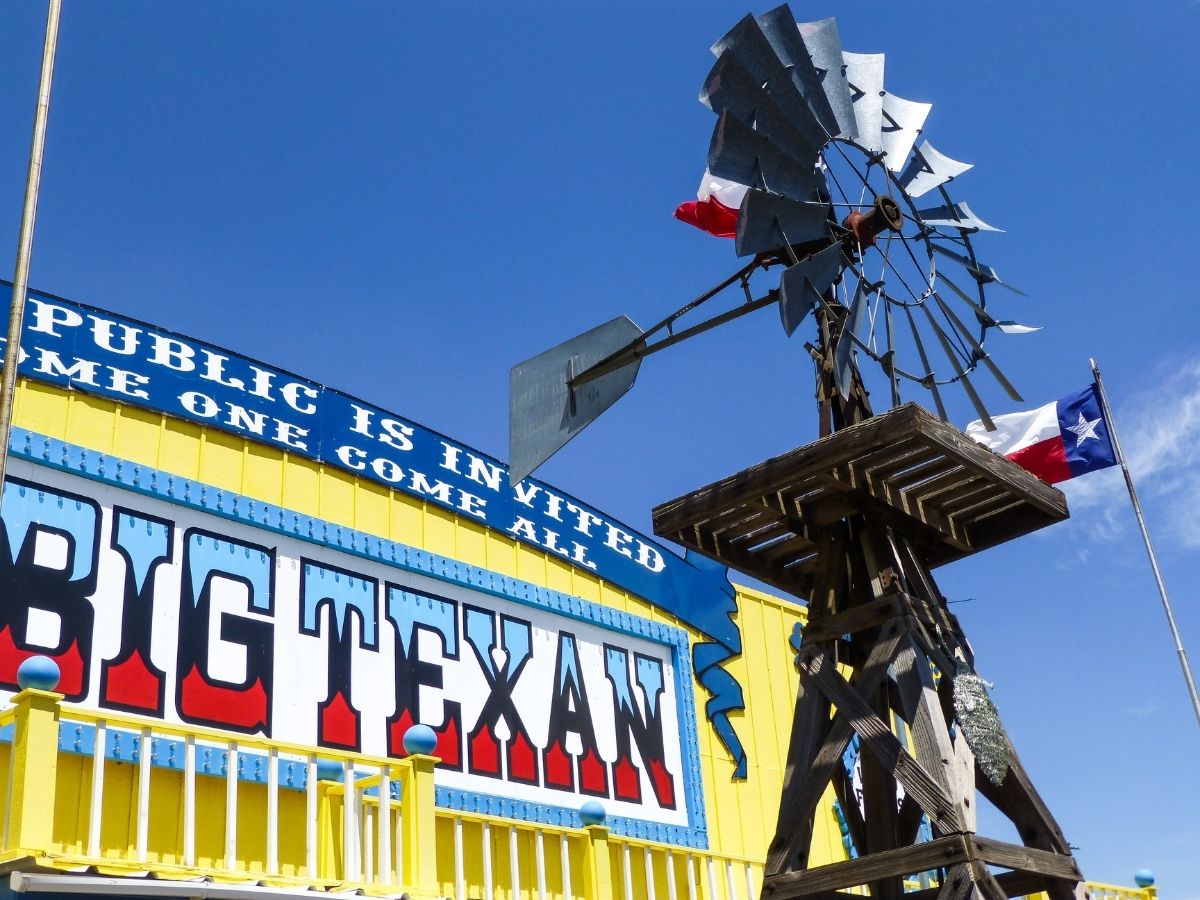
(865, 227)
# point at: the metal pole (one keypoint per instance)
(1137, 511)
(8, 384)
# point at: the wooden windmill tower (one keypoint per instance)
(830, 186)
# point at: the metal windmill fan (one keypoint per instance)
(833, 190)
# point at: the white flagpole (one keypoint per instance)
(8, 383)
(1137, 511)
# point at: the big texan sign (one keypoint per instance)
(154, 610)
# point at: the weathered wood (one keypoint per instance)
(1026, 859)
(934, 854)
(923, 712)
(811, 732)
(877, 738)
(1017, 798)
(853, 620)
(854, 522)
(803, 786)
(959, 884)
(925, 457)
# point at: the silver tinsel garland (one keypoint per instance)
(980, 723)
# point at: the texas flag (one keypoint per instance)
(716, 206)
(1055, 442)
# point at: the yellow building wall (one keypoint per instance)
(741, 814)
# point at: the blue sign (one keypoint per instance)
(79, 347)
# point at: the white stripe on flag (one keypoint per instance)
(1016, 431)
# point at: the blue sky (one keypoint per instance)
(402, 201)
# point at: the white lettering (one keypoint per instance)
(171, 353)
(439, 489)
(617, 539)
(289, 434)
(525, 493)
(291, 394)
(50, 363)
(586, 519)
(47, 315)
(386, 469)
(523, 528)
(199, 404)
(362, 420)
(650, 557)
(262, 383)
(472, 505)
(351, 457)
(214, 370)
(397, 434)
(244, 419)
(120, 381)
(102, 335)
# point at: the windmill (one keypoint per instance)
(857, 219)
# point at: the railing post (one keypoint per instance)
(417, 813)
(34, 756)
(597, 864)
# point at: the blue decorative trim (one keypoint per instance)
(55, 454)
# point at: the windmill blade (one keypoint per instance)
(769, 221)
(963, 377)
(983, 274)
(954, 215)
(801, 286)
(545, 412)
(730, 88)
(739, 153)
(902, 122)
(747, 44)
(825, 49)
(928, 169)
(977, 351)
(782, 33)
(928, 381)
(864, 74)
(1007, 326)
(843, 353)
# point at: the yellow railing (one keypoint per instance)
(124, 795)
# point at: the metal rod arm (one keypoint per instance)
(640, 347)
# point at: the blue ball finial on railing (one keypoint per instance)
(1143, 878)
(330, 770)
(38, 672)
(592, 813)
(420, 739)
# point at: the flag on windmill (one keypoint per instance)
(716, 206)
(1060, 440)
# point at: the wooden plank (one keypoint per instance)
(1026, 859)
(934, 854)
(931, 736)
(974, 456)
(804, 784)
(855, 619)
(877, 738)
(811, 733)
(959, 884)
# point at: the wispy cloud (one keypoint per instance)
(1160, 432)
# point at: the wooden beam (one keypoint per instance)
(935, 854)
(878, 739)
(804, 785)
(1026, 859)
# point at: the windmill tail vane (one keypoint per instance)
(832, 187)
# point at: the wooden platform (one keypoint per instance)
(950, 496)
